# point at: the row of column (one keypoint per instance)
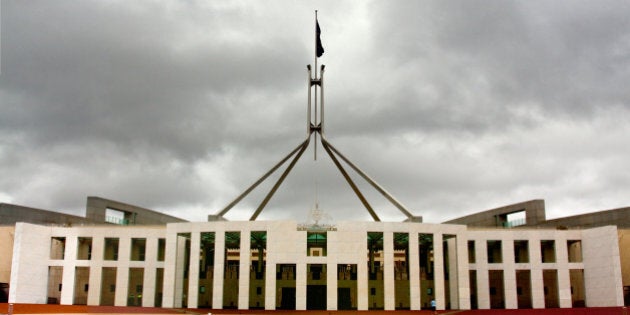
(458, 280)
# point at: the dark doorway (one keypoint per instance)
(315, 297)
(288, 299)
(344, 301)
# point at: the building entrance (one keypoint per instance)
(344, 300)
(288, 299)
(316, 297)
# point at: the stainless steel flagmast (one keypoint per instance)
(314, 126)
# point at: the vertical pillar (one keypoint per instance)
(414, 272)
(96, 271)
(69, 262)
(538, 290)
(219, 269)
(148, 289)
(438, 276)
(564, 279)
(270, 285)
(483, 285)
(150, 258)
(331, 285)
(300, 286)
(122, 273)
(453, 275)
(170, 267)
(509, 274)
(463, 280)
(193, 270)
(362, 280)
(388, 271)
(244, 269)
(180, 250)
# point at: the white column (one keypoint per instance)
(122, 286)
(538, 287)
(564, 280)
(69, 263)
(244, 270)
(270, 285)
(96, 271)
(219, 269)
(483, 285)
(122, 273)
(388, 271)
(148, 281)
(180, 251)
(193, 270)
(414, 272)
(300, 286)
(170, 270)
(331, 285)
(148, 287)
(463, 278)
(453, 275)
(362, 280)
(438, 275)
(602, 267)
(509, 274)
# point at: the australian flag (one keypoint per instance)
(319, 49)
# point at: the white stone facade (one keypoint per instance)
(558, 280)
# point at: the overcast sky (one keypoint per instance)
(452, 106)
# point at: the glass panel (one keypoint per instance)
(138, 247)
(496, 285)
(285, 286)
(108, 286)
(425, 251)
(258, 251)
(134, 290)
(548, 251)
(206, 269)
(111, 249)
(81, 285)
(159, 286)
(524, 288)
(161, 249)
(347, 287)
(376, 299)
(401, 271)
(521, 251)
(495, 255)
(316, 243)
(231, 275)
(471, 252)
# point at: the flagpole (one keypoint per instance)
(315, 94)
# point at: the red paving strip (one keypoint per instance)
(83, 309)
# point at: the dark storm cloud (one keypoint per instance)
(453, 107)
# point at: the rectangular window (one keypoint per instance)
(521, 251)
(161, 249)
(548, 251)
(316, 243)
(471, 252)
(57, 248)
(111, 249)
(495, 255)
(574, 248)
(84, 248)
(138, 247)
